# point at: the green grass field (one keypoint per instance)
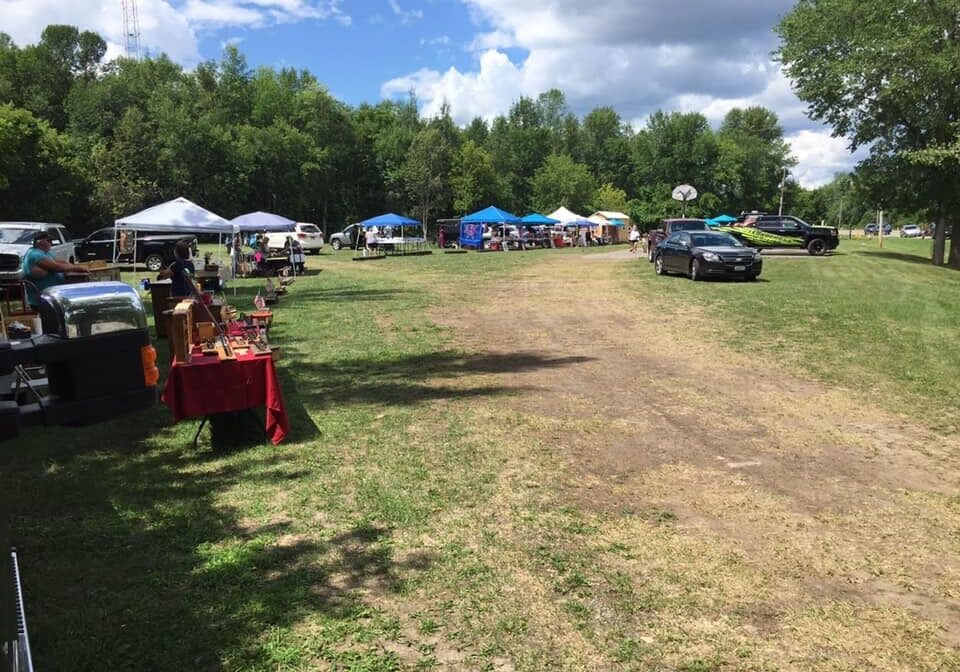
(388, 532)
(881, 321)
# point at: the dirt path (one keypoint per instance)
(823, 501)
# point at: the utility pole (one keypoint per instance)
(131, 29)
(783, 183)
(880, 228)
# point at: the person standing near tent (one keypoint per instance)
(42, 270)
(180, 271)
(634, 238)
(441, 238)
(583, 236)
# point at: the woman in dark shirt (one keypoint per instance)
(181, 271)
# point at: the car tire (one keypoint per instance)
(753, 278)
(336, 245)
(153, 262)
(72, 259)
(696, 270)
(658, 265)
(817, 247)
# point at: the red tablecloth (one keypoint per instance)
(207, 385)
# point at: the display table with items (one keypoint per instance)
(218, 370)
(97, 271)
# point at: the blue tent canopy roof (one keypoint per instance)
(389, 219)
(536, 218)
(262, 221)
(491, 215)
(724, 219)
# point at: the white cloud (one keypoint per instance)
(165, 26)
(820, 156)
(406, 16)
(636, 56)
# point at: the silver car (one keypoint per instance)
(17, 237)
(911, 231)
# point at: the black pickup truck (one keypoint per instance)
(761, 230)
(153, 250)
(668, 226)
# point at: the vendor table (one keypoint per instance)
(208, 385)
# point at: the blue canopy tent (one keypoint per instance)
(392, 220)
(471, 226)
(262, 221)
(536, 219)
(711, 222)
(724, 219)
(389, 219)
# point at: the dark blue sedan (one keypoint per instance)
(706, 254)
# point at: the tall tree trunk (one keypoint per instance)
(954, 259)
(939, 241)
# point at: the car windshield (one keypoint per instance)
(17, 236)
(694, 225)
(309, 228)
(714, 240)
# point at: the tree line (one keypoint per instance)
(83, 141)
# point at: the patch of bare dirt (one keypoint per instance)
(650, 414)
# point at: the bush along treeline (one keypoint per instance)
(83, 141)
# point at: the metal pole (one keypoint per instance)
(783, 183)
(880, 228)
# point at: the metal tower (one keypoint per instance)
(131, 29)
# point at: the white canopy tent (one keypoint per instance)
(565, 216)
(177, 216)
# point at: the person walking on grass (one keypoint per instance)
(634, 238)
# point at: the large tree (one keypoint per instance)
(561, 181)
(884, 74)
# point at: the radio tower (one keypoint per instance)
(131, 29)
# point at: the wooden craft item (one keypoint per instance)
(181, 331)
(224, 352)
(206, 331)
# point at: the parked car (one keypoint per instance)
(309, 236)
(871, 229)
(152, 250)
(704, 254)
(910, 231)
(669, 226)
(17, 237)
(346, 238)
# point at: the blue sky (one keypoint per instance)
(481, 55)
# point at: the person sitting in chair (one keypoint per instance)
(42, 270)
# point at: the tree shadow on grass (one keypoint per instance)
(412, 379)
(896, 256)
(130, 562)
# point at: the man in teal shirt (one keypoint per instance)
(42, 270)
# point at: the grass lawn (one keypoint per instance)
(882, 322)
(399, 527)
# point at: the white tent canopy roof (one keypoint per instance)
(564, 215)
(177, 216)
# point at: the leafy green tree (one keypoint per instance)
(673, 149)
(562, 181)
(124, 173)
(751, 157)
(604, 147)
(883, 74)
(609, 197)
(425, 173)
(38, 178)
(474, 180)
(47, 70)
(477, 132)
